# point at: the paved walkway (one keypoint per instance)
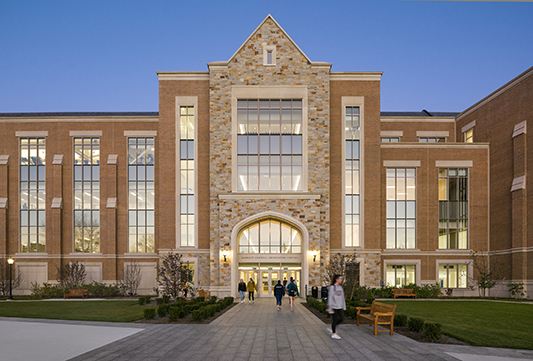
(246, 332)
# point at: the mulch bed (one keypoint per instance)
(417, 336)
(186, 320)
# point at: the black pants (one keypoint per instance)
(338, 317)
(251, 296)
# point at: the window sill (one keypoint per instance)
(31, 255)
(86, 254)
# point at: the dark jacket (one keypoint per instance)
(279, 290)
(293, 286)
(242, 286)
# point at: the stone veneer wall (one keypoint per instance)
(246, 68)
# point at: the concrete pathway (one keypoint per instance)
(252, 332)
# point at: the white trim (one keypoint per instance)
(4, 159)
(271, 195)
(440, 134)
(85, 133)
(57, 203)
(111, 203)
(416, 262)
(3, 203)
(355, 76)
(454, 163)
(386, 119)
(401, 163)
(112, 159)
(391, 133)
(436, 145)
(354, 101)
(518, 183)
(58, 159)
(520, 128)
(268, 92)
(186, 101)
(269, 214)
(183, 75)
(469, 126)
(32, 134)
(140, 133)
(139, 255)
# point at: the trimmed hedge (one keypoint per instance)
(149, 313)
(433, 331)
(400, 320)
(415, 324)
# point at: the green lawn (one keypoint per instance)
(110, 311)
(481, 323)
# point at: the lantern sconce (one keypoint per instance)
(314, 253)
(225, 253)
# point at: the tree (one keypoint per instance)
(345, 265)
(485, 276)
(132, 278)
(71, 275)
(171, 276)
(16, 277)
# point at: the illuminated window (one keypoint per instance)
(401, 208)
(469, 136)
(269, 145)
(401, 275)
(453, 208)
(141, 195)
(87, 195)
(270, 236)
(352, 167)
(187, 180)
(453, 275)
(32, 195)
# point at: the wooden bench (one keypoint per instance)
(76, 292)
(403, 292)
(206, 294)
(380, 314)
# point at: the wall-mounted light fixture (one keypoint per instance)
(314, 253)
(225, 253)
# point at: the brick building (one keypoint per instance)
(264, 167)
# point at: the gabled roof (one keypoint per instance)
(279, 26)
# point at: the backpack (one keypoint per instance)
(292, 291)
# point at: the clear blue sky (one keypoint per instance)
(102, 55)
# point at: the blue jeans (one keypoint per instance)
(242, 295)
(278, 300)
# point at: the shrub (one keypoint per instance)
(46, 291)
(162, 310)
(415, 324)
(351, 312)
(149, 312)
(173, 313)
(102, 290)
(142, 300)
(433, 331)
(147, 299)
(198, 315)
(200, 299)
(214, 298)
(400, 320)
(160, 301)
(166, 299)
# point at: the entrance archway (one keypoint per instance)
(269, 259)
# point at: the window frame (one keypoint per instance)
(353, 101)
(468, 220)
(261, 92)
(406, 219)
(469, 271)
(258, 224)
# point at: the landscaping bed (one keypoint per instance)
(186, 320)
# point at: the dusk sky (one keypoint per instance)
(102, 55)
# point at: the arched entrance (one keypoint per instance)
(268, 247)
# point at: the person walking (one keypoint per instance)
(336, 305)
(251, 288)
(292, 290)
(242, 290)
(279, 291)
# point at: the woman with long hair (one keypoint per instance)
(336, 304)
(251, 288)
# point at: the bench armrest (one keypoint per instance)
(382, 313)
(363, 308)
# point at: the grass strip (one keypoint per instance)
(480, 323)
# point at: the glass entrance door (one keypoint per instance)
(268, 280)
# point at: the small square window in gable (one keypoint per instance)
(269, 55)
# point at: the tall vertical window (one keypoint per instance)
(87, 195)
(453, 275)
(352, 172)
(141, 200)
(188, 181)
(401, 208)
(269, 145)
(32, 195)
(469, 136)
(399, 275)
(453, 208)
